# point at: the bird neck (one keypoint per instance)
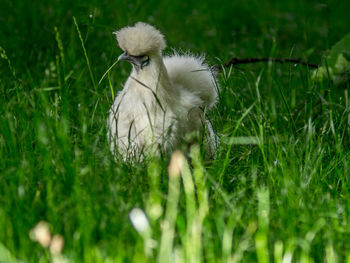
(155, 77)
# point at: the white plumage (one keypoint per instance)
(164, 98)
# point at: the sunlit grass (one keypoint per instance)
(276, 191)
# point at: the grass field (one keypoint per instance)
(278, 189)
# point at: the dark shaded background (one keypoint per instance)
(219, 29)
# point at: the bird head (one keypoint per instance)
(141, 44)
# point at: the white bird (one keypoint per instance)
(163, 101)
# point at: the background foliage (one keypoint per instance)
(279, 186)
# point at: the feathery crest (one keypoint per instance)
(140, 39)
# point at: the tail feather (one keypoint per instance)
(194, 75)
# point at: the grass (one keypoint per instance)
(278, 189)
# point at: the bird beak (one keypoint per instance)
(136, 61)
(124, 56)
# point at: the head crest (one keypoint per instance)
(140, 39)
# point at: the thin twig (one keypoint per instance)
(237, 61)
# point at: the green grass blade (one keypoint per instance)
(104, 75)
(85, 53)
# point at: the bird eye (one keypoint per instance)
(145, 61)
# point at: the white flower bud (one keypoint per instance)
(41, 234)
(139, 220)
(56, 245)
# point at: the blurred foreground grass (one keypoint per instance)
(278, 189)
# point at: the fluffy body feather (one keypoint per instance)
(161, 103)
